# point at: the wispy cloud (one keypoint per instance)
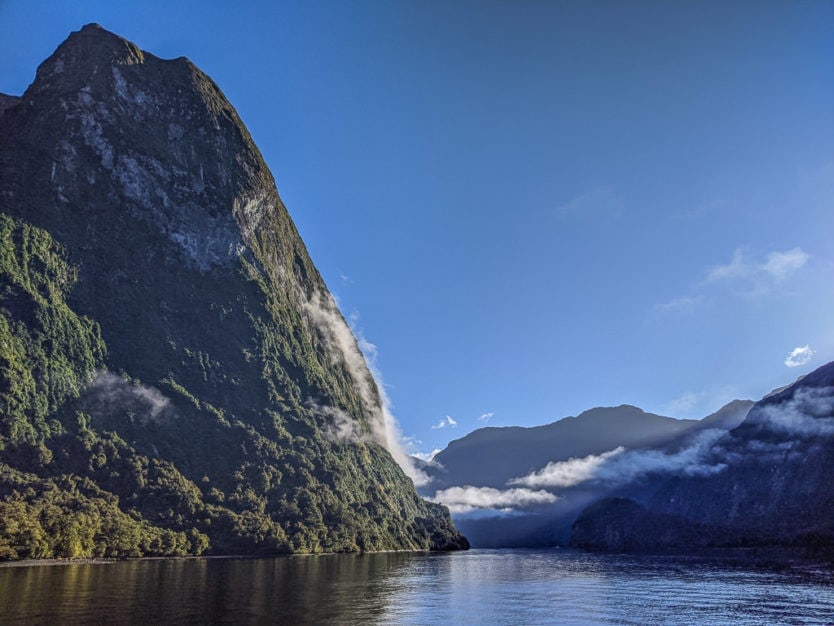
(467, 499)
(799, 356)
(601, 202)
(337, 425)
(809, 413)
(446, 421)
(428, 457)
(744, 275)
(567, 473)
(358, 355)
(698, 403)
(680, 304)
(683, 404)
(108, 393)
(780, 265)
(621, 466)
(485, 417)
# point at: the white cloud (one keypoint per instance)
(323, 312)
(466, 499)
(108, 393)
(338, 426)
(485, 417)
(747, 276)
(799, 356)
(620, 466)
(810, 413)
(598, 202)
(681, 304)
(446, 421)
(744, 275)
(566, 473)
(780, 265)
(426, 456)
(737, 268)
(359, 358)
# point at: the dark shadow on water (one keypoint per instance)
(338, 588)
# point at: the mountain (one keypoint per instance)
(495, 481)
(175, 377)
(492, 456)
(768, 483)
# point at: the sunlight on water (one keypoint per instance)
(476, 587)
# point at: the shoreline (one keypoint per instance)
(211, 557)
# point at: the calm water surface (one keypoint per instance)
(476, 587)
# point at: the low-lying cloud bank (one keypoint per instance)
(621, 466)
(806, 416)
(467, 499)
(809, 413)
(567, 473)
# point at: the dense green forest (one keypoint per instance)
(71, 486)
(175, 377)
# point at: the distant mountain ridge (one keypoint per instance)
(491, 456)
(175, 376)
(773, 485)
(501, 458)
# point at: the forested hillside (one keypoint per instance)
(175, 377)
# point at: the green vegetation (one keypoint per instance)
(165, 385)
(47, 352)
(106, 466)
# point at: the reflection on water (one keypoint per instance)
(480, 586)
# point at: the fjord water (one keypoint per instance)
(480, 586)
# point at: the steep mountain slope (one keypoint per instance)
(173, 344)
(771, 483)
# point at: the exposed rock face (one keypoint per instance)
(777, 487)
(252, 385)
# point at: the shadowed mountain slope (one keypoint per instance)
(524, 486)
(772, 484)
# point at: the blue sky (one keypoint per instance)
(533, 208)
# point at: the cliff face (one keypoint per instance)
(223, 367)
(772, 483)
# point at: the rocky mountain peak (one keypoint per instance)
(83, 55)
(155, 295)
(157, 137)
